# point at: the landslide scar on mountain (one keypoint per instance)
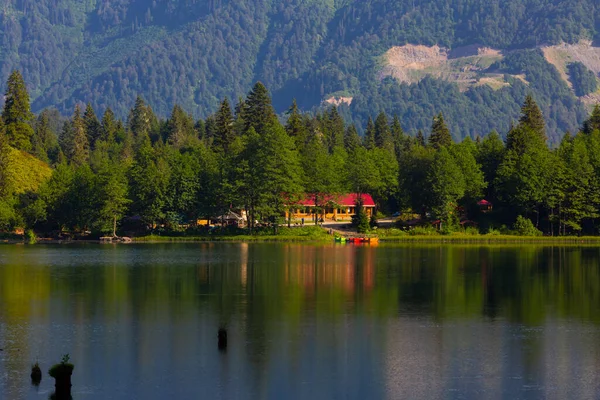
(464, 66)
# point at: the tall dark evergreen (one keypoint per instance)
(259, 112)
(224, 129)
(44, 139)
(440, 134)
(593, 122)
(352, 139)
(369, 139)
(295, 127)
(93, 129)
(420, 138)
(532, 117)
(383, 134)
(78, 150)
(17, 113)
(108, 128)
(140, 120)
(180, 128)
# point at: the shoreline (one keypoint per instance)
(326, 238)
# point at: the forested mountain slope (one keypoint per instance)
(196, 52)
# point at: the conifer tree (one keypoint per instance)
(420, 138)
(259, 112)
(531, 116)
(17, 113)
(79, 147)
(180, 127)
(92, 125)
(332, 126)
(383, 134)
(369, 139)
(351, 139)
(295, 127)
(440, 134)
(108, 128)
(210, 128)
(592, 123)
(140, 120)
(398, 137)
(224, 130)
(43, 139)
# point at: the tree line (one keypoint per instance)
(170, 172)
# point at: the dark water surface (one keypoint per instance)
(304, 321)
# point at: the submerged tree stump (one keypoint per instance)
(62, 374)
(36, 374)
(222, 335)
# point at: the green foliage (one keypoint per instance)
(524, 227)
(440, 134)
(447, 186)
(360, 221)
(17, 112)
(584, 81)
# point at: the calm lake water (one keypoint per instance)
(304, 321)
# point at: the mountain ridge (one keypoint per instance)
(197, 52)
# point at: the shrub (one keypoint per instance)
(524, 227)
(30, 236)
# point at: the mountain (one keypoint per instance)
(473, 60)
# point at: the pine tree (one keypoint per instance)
(259, 112)
(332, 126)
(398, 136)
(295, 127)
(78, 149)
(17, 113)
(180, 127)
(43, 139)
(224, 133)
(139, 120)
(369, 139)
(108, 129)
(592, 123)
(420, 138)
(92, 125)
(383, 134)
(531, 116)
(351, 139)
(210, 127)
(440, 134)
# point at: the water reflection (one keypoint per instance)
(302, 321)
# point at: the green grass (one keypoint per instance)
(395, 235)
(300, 234)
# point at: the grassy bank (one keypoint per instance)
(300, 234)
(398, 236)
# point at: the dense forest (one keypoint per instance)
(168, 173)
(197, 52)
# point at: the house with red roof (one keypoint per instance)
(331, 207)
(484, 206)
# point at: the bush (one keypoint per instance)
(472, 231)
(30, 236)
(524, 227)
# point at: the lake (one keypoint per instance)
(140, 321)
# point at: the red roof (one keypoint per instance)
(344, 200)
(484, 203)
